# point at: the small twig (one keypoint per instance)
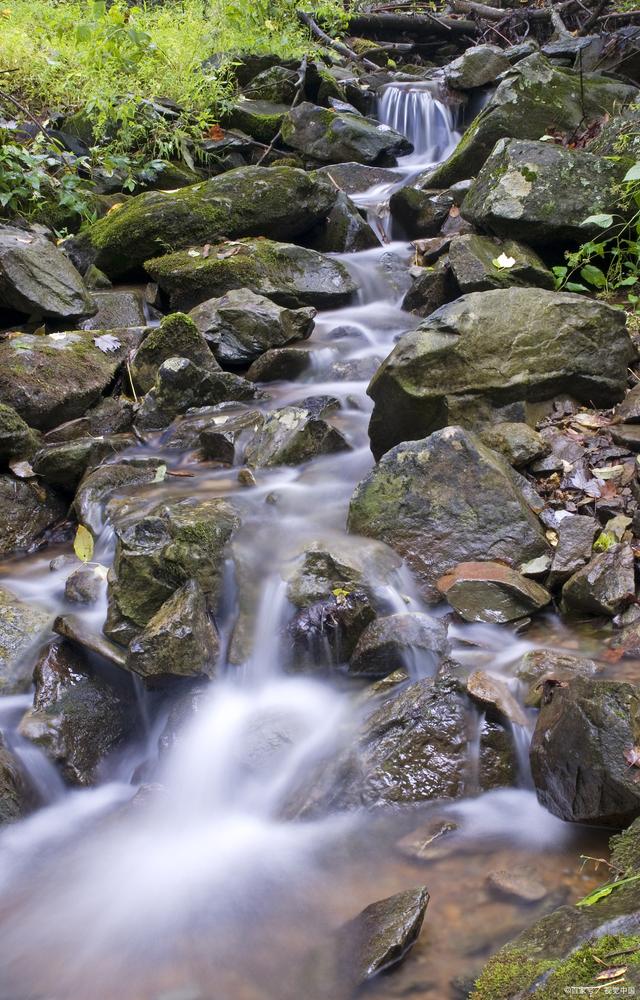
(25, 111)
(348, 53)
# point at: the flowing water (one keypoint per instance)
(194, 886)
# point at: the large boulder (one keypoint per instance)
(240, 326)
(290, 275)
(468, 350)
(53, 378)
(27, 511)
(531, 101)
(444, 500)
(21, 625)
(542, 193)
(37, 279)
(584, 749)
(281, 202)
(328, 136)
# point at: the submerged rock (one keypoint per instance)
(240, 326)
(582, 751)
(491, 592)
(381, 936)
(328, 136)
(281, 202)
(77, 718)
(411, 640)
(444, 499)
(27, 511)
(22, 625)
(37, 279)
(465, 352)
(292, 276)
(604, 586)
(177, 336)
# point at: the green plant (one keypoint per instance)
(30, 179)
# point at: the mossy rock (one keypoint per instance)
(27, 511)
(472, 258)
(177, 336)
(261, 119)
(328, 136)
(17, 439)
(21, 625)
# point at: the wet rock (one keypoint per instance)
(260, 119)
(381, 936)
(174, 542)
(117, 308)
(224, 441)
(579, 753)
(411, 640)
(575, 543)
(432, 288)
(604, 586)
(85, 584)
(542, 193)
(445, 499)
(343, 231)
(493, 692)
(281, 202)
(240, 326)
(74, 628)
(21, 625)
(77, 718)
(325, 633)
(63, 465)
(181, 385)
(57, 377)
(431, 841)
(37, 279)
(177, 336)
(533, 99)
(98, 486)
(627, 435)
(477, 66)
(463, 354)
(516, 885)
(352, 178)
(473, 258)
(178, 641)
(17, 440)
(290, 275)
(539, 665)
(281, 363)
(291, 435)
(327, 136)
(517, 442)
(491, 592)
(27, 511)
(112, 415)
(419, 213)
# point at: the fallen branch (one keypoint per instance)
(521, 14)
(302, 75)
(369, 25)
(344, 50)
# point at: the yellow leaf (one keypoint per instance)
(114, 208)
(83, 543)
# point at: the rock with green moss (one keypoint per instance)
(166, 175)
(542, 193)
(343, 231)
(277, 84)
(177, 336)
(14, 793)
(156, 554)
(181, 385)
(240, 326)
(290, 275)
(53, 378)
(21, 625)
(261, 119)
(280, 202)
(479, 263)
(328, 136)
(476, 67)
(64, 465)
(292, 435)
(465, 352)
(27, 511)
(17, 439)
(443, 500)
(178, 641)
(77, 717)
(580, 750)
(534, 99)
(37, 279)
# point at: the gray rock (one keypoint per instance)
(324, 634)
(492, 692)
(27, 511)
(381, 936)
(327, 136)
(491, 592)
(178, 641)
(517, 442)
(542, 193)
(465, 352)
(224, 440)
(22, 625)
(98, 487)
(14, 794)
(418, 213)
(584, 729)
(85, 584)
(37, 279)
(575, 543)
(176, 337)
(539, 665)
(111, 415)
(278, 364)
(517, 885)
(444, 499)
(63, 465)
(472, 262)
(277, 83)
(80, 635)
(292, 435)
(343, 231)
(604, 586)
(477, 66)
(260, 119)
(432, 288)
(352, 178)
(17, 440)
(292, 276)
(240, 326)
(629, 409)
(411, 640)
(117, 308)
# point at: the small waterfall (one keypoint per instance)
(429, 123)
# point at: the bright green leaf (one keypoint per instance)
(593, 275)
(633, 173)
(604, 221)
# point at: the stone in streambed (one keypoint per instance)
(292, 276)
(576, 534)
(258, 118)
(443, 498)
(419, 213)
(117, 308)
(178, 641)
(491, 592)
(21, 625)
(343, 231)
(516, 885)
(64, 465)
(282, 202)
(380, 937)
(279, 364)
(493, 692)
(353, 178)
(27, 511)
(325, 633)
(539, 665)
(77, 718)
(76, 630)
(240, 326)
(518, 442)
(85, 584)
(604, 586)
(292, 435)
(477, 66)
(17, 439)
(177, 336)
(580, 750)
(465, 353)
(111, 415)
(100, 484)
(432, 288)
(327, 136)
(14, 794)
(223, 440)
(411, 639)
(472, 260)
(37, 279)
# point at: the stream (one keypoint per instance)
(179, 877)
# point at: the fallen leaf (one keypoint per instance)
(609, 471)
(114, 208)
(83, 543)
(22, 469)
(161, 472)
(107, 342)
(632, 756)
(215, 132)
(193, 253)
(591, 420)
(503, 262)
(613, 973)
(181, 473)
